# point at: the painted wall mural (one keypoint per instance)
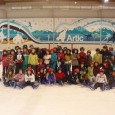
(65, 30)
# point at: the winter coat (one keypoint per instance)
(19, 58)
(25, 62)
(101, 78)
(97, 58)
(61, 55)
(40, 66)
(30, 78)
(68, 57)
(90, 71)
(5, 61)
(33, 59)
(47, 59)
(96, 70)
(88, 59)
(60, 76)
(75, 58)
(82, 57)
(19, 77)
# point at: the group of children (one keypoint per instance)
(33, 66)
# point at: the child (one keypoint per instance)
(11, 57)
(47, 57)
(101, 80)
(82, 55)
(19, 79)
(90, 72)
(41, 76)
(53, 61)
(75, 58)
(107, 67)
(96, 69)
(51, 76)
(88, 58)
(19, 60)
(60, 76)
(8, 78)
(112, 79)
(68, 60)
(61, 55)
(40, 65)
(74, 78)
(25, 61)
(85, 78)
(97, 57)
(60, 63)
(5, 62)
(30, 78)
(33, 59)
(82, 68)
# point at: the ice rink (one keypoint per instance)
(56, 100)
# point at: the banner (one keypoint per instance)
(58, 30)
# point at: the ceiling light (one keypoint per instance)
(106, 1)
(75, 2)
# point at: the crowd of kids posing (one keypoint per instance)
(33, 66)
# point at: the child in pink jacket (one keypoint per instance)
(19, 79)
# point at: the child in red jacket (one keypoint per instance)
(82, 55)
(40, 65)
(60, 76)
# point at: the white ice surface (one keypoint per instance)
(56, 100)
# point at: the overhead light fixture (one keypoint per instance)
(106, 1)
(21, 7)
(75, 2)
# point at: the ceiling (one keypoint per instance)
(12, 1)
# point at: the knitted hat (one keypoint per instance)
(30, 69)
(76, 70)
(40, 60)
(89, 51)
(50, 70)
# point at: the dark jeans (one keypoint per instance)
(5, 70)
(28, 83)
(101, 85)
(18, 67)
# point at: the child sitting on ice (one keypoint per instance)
(51, 76)
(74, 78)
(60, 76)
(101, 80)
(8, 78)
(30, 78)
(41, 76)
(19, 79)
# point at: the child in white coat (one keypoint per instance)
(30, 78)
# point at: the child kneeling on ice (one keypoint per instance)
(30, 78)
(51, 76)
(9, 78)
(19, 79)
(75, 77)
(101, 80)
(60, 77)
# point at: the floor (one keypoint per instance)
(56, 100)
